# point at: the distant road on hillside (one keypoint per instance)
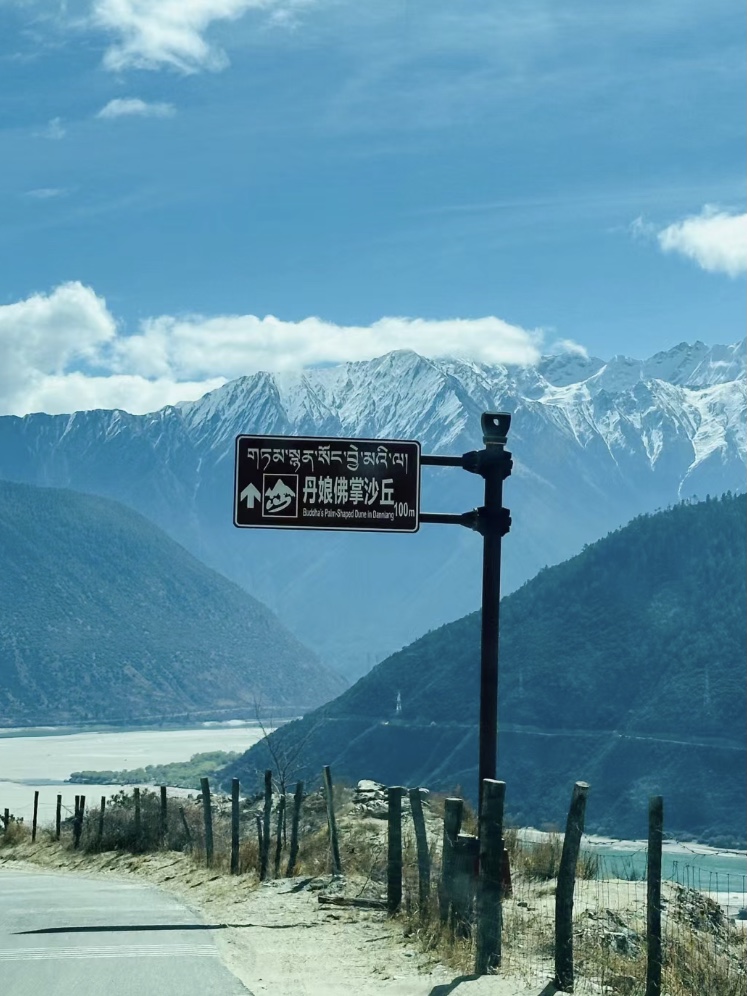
(663, 738)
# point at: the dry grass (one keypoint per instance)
(362, 853)
(703, 951)
(436, 939)
(119, 832)
(704, 954)
(16, 832)
(436, 805)
(541, 861)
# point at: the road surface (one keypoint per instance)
(69, 934)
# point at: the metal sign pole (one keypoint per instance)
(496, 467)
(492, 521)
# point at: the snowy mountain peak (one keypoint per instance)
(627, 405)
(595, 442)
(563, 369)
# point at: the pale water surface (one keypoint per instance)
(40, 762)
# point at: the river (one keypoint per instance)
(44, 761)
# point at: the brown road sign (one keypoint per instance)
(309, 482)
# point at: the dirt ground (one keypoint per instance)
(281, 941)
(278, 939)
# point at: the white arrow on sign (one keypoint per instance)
(250, 495)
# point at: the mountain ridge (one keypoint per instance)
(590, 451)
(104, 617)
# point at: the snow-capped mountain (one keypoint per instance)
(594, 444)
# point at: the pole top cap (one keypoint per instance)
(495, 426)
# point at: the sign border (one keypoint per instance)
(323, 439)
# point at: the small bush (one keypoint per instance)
(540, 861)
(15, 833)
(588, 865)
(120, 832)
(314, 854)
(248, 856)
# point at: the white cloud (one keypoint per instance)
(63, 351)
(45, 335)
(154, 33)
(47, 193)
(570, 346)
(641, 229)
(54, 130)
(715, 240)
(76, 391)
(230, 345)
(122, 107)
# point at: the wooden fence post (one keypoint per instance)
(279, 841)
(653, 895)
(574, 828)
(463, 886)
(394, 848)
(163, 826)
(490, 882)
(235, 815)
(424, 858)
(100, 831)
(336, 863)
(207, 814)
(35, 817)
(6, 819)
(453, 809)
(265, 852)
(58, 818)
(78, 821)
(187, 831)
(81, 814)
(260, 841)
(138, 817)
(293, 857)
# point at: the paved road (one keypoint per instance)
(65, 934)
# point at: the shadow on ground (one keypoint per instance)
(452, 987)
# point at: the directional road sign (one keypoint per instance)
(293, 482)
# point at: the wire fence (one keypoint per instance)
(704, 939)
(704, 910)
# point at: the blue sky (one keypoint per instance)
(507, 177)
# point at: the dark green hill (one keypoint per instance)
(102, 616)
(624, 666)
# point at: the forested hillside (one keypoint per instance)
(103, 616)
(624, 666)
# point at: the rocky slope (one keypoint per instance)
(103, 616)
(594, 444)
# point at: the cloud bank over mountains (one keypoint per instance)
(64, 351)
